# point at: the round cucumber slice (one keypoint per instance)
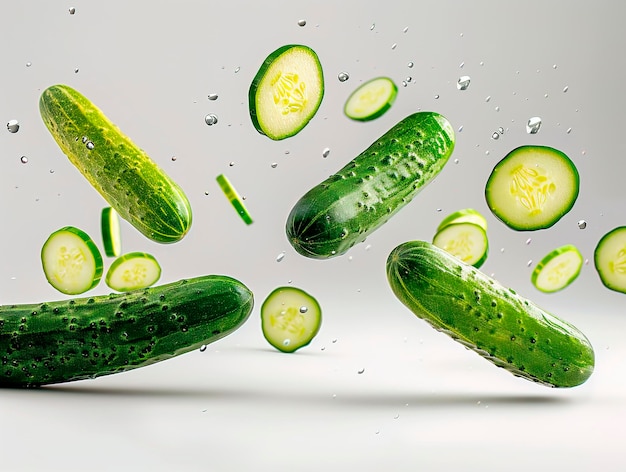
(610, 259)
(286, 92)
(466, 215)
(133, 271)
(532, 188)
(290, 318)
(557, 269)
(371, 100)
(71, 261)
(466, 241)
(234, 198)
(111, 233)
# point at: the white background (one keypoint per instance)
(423, 402)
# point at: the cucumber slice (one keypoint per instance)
(290, 318)
(286, 92)
(111, 233)
(610, 259)
(466, 215)
(557, 269)
(371, 100)
(466, 241)
(234, 198)
(71, 261)
(132, 271)
(532, 188)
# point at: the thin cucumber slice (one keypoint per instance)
(466, 241)
(532, 188)
(286, 92)
(234, 198)
(610, 259)
(557, 269)
(133, 271)
(290, 318)
(371, 100)
(111, 233)
(466, 215)
(71, 261)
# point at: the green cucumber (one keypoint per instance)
(371, 100)
(121, 172)
(233, 197)
(111, 232)
(286, 92)
(132, 271)
(83, 338)
(557, 269)
(610, 259)
(488, 318)
(347, 207)
(466, 241)
(466, 215)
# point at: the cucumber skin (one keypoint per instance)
(84, 338)
(488, 318)
(348, 206)
(121, 172)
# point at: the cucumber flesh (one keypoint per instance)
(234, 198)
(466, 215)
(466, 241)
(133, 271)
(532, 188)
(290, 318)
(371, 100)
(557, 269)
(610, 259)
(71, 261)
(111, 232)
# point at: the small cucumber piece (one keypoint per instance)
(286, 92)
(133, 271)
(557, 269)
(466, 241)
(111, 232)
(371, 100)
(234, 198)
(83, 338)
(488, 318)
(610, 259)
(290, 318)
(347, 207)
(532, 188)
(466, 215)
(71, 261)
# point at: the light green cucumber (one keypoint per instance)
(133, 184)
(83, 338)
(488, 318)
(347, 207)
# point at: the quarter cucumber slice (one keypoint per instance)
(466, 241)
(234, 198)
(71, 261)
(371, 100)
(111, 233)
(290, 318)
(133, 271)
(466, 215)
(610, 259)
(532, 187)
(557, 269)
(286, 92)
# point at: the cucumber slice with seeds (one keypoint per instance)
(71, 261)
(557, 269)
(466, 241)
(133, 271)
(286, 92)
(371, 100)
(234, 198)
(466, 215)
(610, 259)
(111, 233)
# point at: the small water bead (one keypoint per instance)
(231, 164)
(437, 97)
(460, 128)
(72, 10)
(210, 119)
(303, 309)
(76, 70)
(406, 28)
(495, 135)
(394, 45)
(372, 26)
(528, 241)
(13, 126)
(28, 64)
(569, 130)
(343, 76)
(273, 165)
(461, 65)
(301, 22)
(582, 224)
(410, 65)
(325, 152)
(565, 89)
(212, 97)
(533, 125)
(280, 257)
(90, 145)
(361, 370)
(237, 69)
(24, 160)
(529, 263)
(286, 342)
(203, 348)
(487, 98)
(463, 83)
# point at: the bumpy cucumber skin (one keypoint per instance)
(84, 338)
(121, 172)
(348, 206)
(488, 318)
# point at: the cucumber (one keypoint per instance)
(233, 197)
(466, 215)
(122, 173)
(557, 269)
(466, 241)
(133, 271)
(610, 259)
(84, 338)
(488, 318)
(71, 261)
(111, 232)
(347, 207)
(286, 92)
(532, 188)
(290, 318)
(371, 100)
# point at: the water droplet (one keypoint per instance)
(460, 128)
(76, 70)
(410, 65)
(582, 224)
(237, 69)
(497, 108)
(569, 130)
(231, 164)
(528, 241)
(437, 97)
(406, 28)
(210, 119)
(212, 96)
(361, 370)
(280, 257)
(343, 76)
(533, 125)
(28, 64)
(72, 10)
(529, 263)
(456, 161)
(203, 348)
(286, 342)
(304, 309)
(487, 98)
(85, 139)
(13, 126)
(463, 82)
(565, 89)
(394, 45)
(301, 22)
(89, 145)
(495, 135)
(396, 416)
(273, 165)
(373, 26)
(24, 160)
(325, 152)
(174, 158)
(52, 171)
(461, 65)
(334, 340)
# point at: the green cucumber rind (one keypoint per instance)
(534, 276)
(480, 229)
(382, 110)
(597, 254)
(488, 318)
(84, 338)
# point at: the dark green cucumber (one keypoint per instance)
(488, 318)
(83, 338)
(121, 172)
(348, 206)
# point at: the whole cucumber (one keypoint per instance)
(120, 171)
(348, 206)
(484, 316)
(83, 338)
